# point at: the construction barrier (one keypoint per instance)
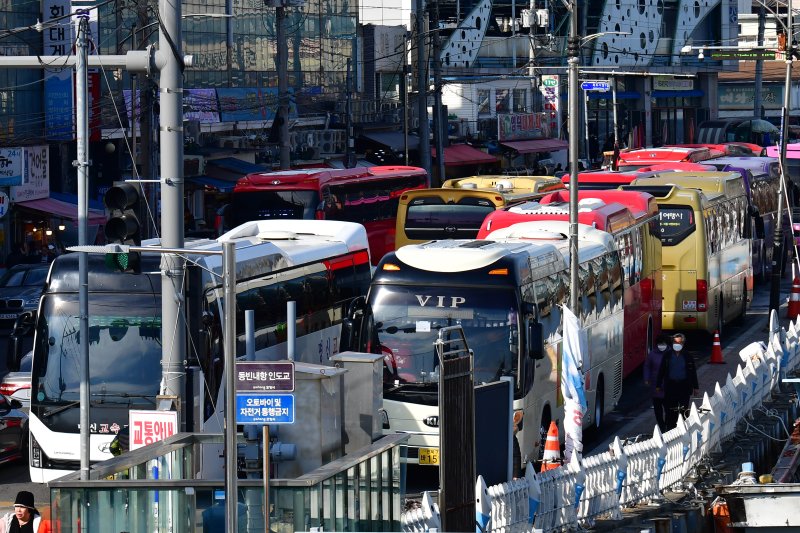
(599, 486)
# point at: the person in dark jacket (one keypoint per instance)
(652, 365)
(677, 378)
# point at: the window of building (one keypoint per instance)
(503, 99)
(484, 96)
(519, 99)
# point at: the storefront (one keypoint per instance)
(676, 111)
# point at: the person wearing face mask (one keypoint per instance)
(677, 378)
(652, 365)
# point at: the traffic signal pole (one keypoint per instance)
(170, 62)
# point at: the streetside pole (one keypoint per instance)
(778, 248)
(422, 93)
(439, 121)
(229, 353)
(82, 162)
(615, 160)
(759, 74)
(572, 66)
(169, 59)
(283, 85)
(405, 96)
(349, 153)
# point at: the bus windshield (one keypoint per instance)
(259, 205)
(677, 223)
(124, 350)
(408, 320)
(431, 218)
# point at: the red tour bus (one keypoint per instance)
(632, 220)
(608, 179)
(645, 157)
(368, 196)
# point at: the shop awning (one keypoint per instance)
(677, 94)
(221, 185)
(392, 140)
(464, 154)
(540, 145)
(58, 209)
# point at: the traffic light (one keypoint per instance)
(574, 47)
(122, 226)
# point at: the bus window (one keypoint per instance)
(676, 223)
(430, 218)
(615, 281)
(257, 205)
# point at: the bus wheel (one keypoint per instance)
(743, 313)
(599, 404)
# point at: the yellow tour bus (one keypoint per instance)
(457, 210)
(705, 238)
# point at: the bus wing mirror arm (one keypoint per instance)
(535, 340)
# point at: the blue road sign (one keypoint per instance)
(596, 85)
(259, 408)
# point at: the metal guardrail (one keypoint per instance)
(158, 488)
(600, 486)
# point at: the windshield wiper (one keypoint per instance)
(125, 395)
(69, 405)
(60, 408)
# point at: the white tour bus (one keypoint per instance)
(322, 265)
(505, 294)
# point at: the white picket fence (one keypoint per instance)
(599, 486)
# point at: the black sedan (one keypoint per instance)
(13, 430)
(20, 289)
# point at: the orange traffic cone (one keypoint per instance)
(793, 309)
(716, 350)
(552, 449)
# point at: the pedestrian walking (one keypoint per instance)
(652, 365)
(677, 378)
(25, 518)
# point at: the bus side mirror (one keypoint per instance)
(22, 327)
(535, 340)
(352, 325)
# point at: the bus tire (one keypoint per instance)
(762, 271)
(600, 403)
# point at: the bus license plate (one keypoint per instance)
(429, 456)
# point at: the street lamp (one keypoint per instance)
(574, 44)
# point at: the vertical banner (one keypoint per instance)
(57, 39)
(551, 97)
(35, 175)
(95, 115)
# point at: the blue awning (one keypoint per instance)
(236, 165)
(677, 94)
(608, 95)
(73, 199)
(221, 185)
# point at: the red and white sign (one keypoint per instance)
(147, 427)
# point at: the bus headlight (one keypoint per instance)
(35, 453)
(384, 418)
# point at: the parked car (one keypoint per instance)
(13, 430)
(17, 385)
(20, 290)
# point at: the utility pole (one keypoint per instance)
(405, 96)
(778, 247)
(82, 163)
(615, 158)
(759, 74)
(169, 59)
(282, 58)
(440, 123)
(349, 154)
(422, 92)
(573, 53)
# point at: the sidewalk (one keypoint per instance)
(708, 375)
